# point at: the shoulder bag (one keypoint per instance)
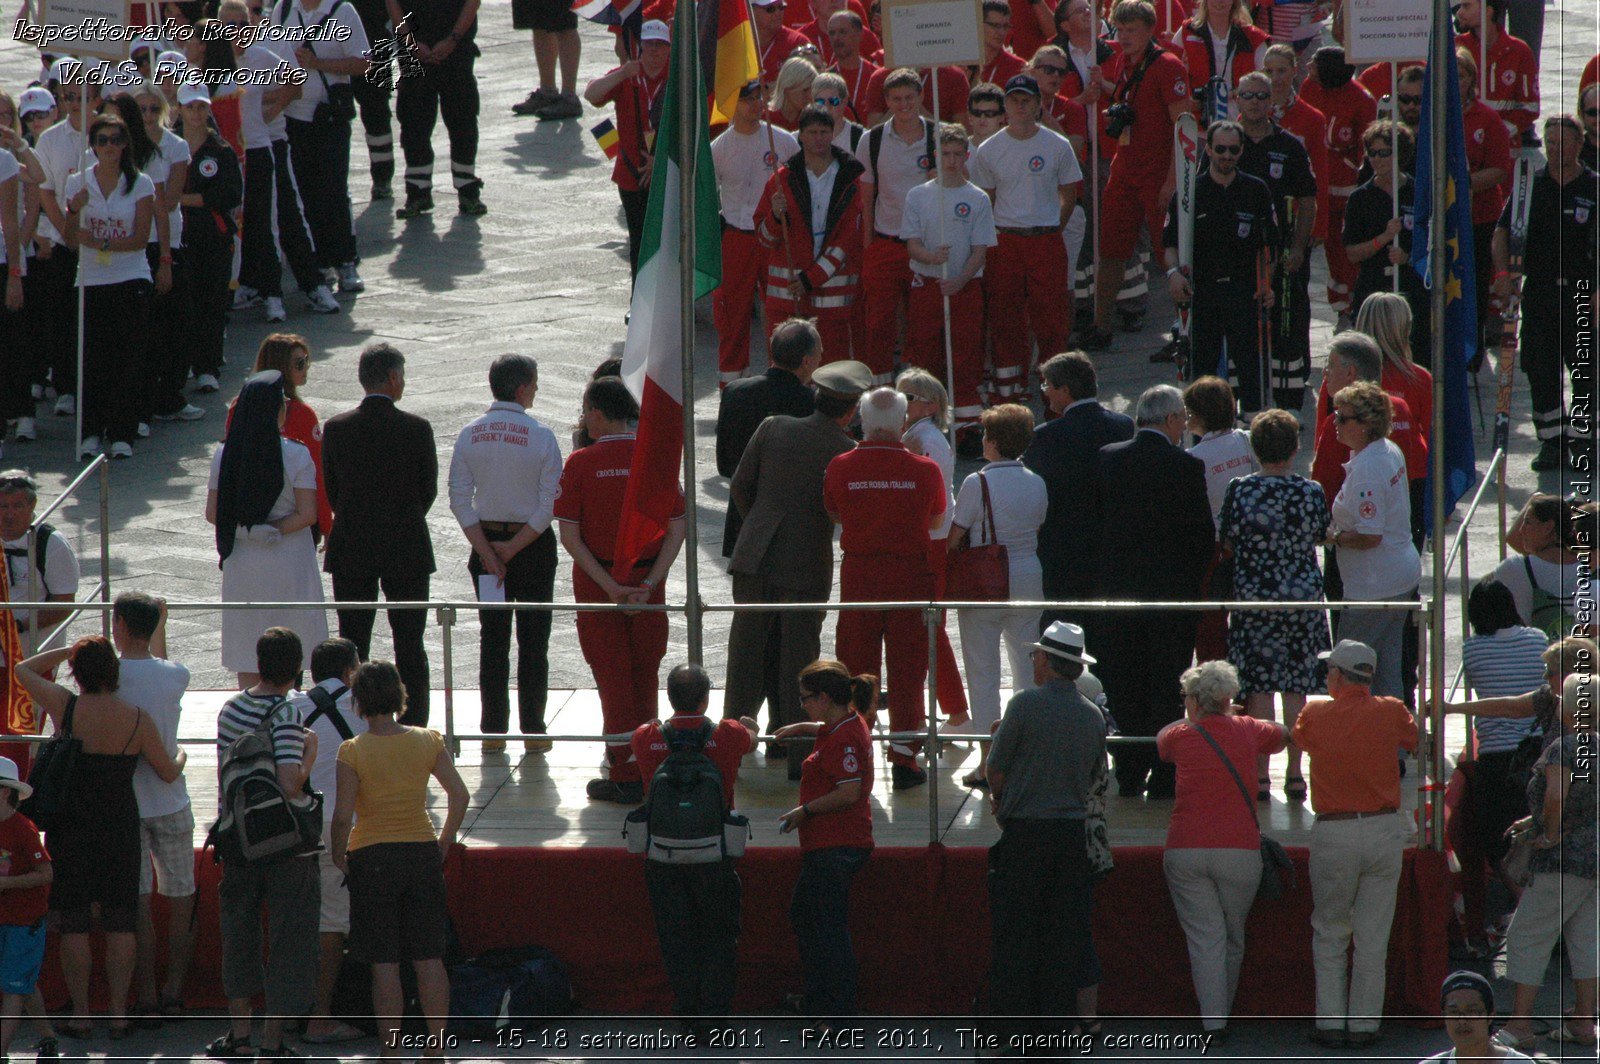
(980, 573)
(51, 776)
(1275, 864)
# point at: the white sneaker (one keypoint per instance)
(120, 449)
(275, 311)
(330, 276)
(144, 430)
(38, 392)
(89, 447)
(66, 406)
(350, 280)
(207, 382)
(245, 296)
(322, 301)
(26, 429)
(190, 412)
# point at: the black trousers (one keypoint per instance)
(1553, 335)
(269, 190)
(115, 359)
(820, 913)
(321, 161)
(168, 332)
(1229, 313)
(451, 90)
(530, 577)
(697, 923)
(634, 204)
(405, 628)
(1290, 332)
(1142, 654)
(374, 90)
(1041, 901)
(52, 301)
(208, 252)
(16, 364)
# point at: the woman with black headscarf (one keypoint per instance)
(263, 502)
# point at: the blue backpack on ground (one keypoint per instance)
(500, 987)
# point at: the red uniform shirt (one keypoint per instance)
(999, 70)
(21, 851)
(784, 42)
(1310, 127)
(1198, 56)
(1146, 147)
(1376, 80)
(1488, 148)
(1348, 110)
(1170, 17)
(638, 102)
(1073, 119)
(730, 740)
(884, 498)
(1026, 37)
(818, 35)
(799, 12)
(856, 80)
(843, 754)
(593, 482)
(953, 89)
(1327, 464)
(1510, 79)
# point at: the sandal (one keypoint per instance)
(228, 1047)
(1565, 1035)
(1264, 789)
(1295, 789)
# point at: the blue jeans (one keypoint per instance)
(820, 912)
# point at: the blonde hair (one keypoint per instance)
(1371, 406)
(1578, 694)
(16, 117)
(149, 88)
(1239, 16)
(924, 385)
(796, 73)
(1386, 317)
(1572, 655)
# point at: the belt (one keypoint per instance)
(885, 236)
(1032, 230)
(1356, 816)
(503, 526)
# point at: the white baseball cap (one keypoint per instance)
(656, 30)
(35, 101)
(192, 92)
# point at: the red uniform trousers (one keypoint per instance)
(861, 635)
(625, 655)
(744, 262)
(951, 691)
(1341, 271)
(1028, 284)
(886, 290)
(925, 342)
(836, 324)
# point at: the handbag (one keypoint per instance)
(1519, 858)
(54, 766)
(1275, 864)
(980, 574)
(1101, 861)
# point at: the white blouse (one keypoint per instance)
(925, 438)
(109, 218)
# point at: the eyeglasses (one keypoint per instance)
(1380, 153)
(1227, 149)
(1254, 95)
(1410, 101)
(987, 113)
(1058, 71)
(1346, 418)
(997, 25)
(110, 140)
(831, 101)
(303, 362)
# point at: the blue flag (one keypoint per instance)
(1460, 290)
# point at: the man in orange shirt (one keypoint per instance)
(1357, 841)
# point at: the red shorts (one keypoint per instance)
(1130, 199)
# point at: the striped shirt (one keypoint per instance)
(1504, 665)
(244, 712)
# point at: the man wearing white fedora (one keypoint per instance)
(1042, 765)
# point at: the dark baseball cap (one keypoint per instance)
(1023, 83)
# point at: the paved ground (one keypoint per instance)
(545, 273)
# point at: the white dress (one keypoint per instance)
(268, 567)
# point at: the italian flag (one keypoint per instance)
(653, 360)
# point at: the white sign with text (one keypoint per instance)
(1386, 31)
(931, 33)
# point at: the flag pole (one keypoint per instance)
(1394, 158)
(1439, 44)
(689, 107)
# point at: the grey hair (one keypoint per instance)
(1212, 684)
(883, 414)
(15, 480)
(1578, 694)
(1157, 404)
(832, 81)
(1360, 352)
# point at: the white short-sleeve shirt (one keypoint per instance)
(109, 218)
(925, 438)
(157, 687)
(968, 223)
(299, 471)
(175, 151)
(9, 168)
(1018, 498)
(60, 152)
(902, 166)
(745, 162)
(1026, 176)
(343, 38)
(1376, 501)
(1228, 457)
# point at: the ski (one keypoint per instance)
(1186, 162)
(1510, 312)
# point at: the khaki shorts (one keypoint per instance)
(167, 842)
(335, 913)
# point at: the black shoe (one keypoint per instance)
(229, 1048)
(1549, 456)
(906, 777)
(382, 190)
(47, 1050)
(1095, 339)
(1132, 320)
(627, 793)
(416, 207)
(1167, 353)
(470, 204)
(1361, 1039)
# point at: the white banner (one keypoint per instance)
(932, 33)
(1386, 31)
(95, 29)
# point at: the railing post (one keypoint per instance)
(105, 546)
(930, 617)
(447, 620)
(1501, 479)
(1436, 721)
(33, 588)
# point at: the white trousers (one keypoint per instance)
(1355, 876)
(1554, 906)
(1212, 890)
(981, 634)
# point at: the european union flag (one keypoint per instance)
(1460, 296)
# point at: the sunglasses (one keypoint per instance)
(987, 113)
(1227, 149)
(1254, 95)
(1380, 153)
(1058, 71)
(1592, 112)
(1410, 101)
(831, 101)
(303, 362)
(1346, 418)
(110, 140)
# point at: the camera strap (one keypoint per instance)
(1125, 89)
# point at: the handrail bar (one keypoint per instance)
(66, 492)
(1472, 508)
(1415, 606)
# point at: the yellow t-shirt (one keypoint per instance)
(391, 804)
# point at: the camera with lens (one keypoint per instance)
(1119, 116)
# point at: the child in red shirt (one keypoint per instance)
(24, 897)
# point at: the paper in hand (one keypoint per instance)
(490, 589)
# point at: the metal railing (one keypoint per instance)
(1495, 474)
(102, 590)
(1430, 749)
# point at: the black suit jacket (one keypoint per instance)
(746, 403)
(381, 472)
(1156, 537)
(1064, 453)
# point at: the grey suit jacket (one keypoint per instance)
(787, 536)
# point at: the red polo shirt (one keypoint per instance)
(1310, 127)
(1349, 110)
(21, 852)
(884, 497)
(635, 99)
(1001, 69)
(785, 41)
(1329, 457)
(953, 89)
(1488, 148)
(730, 740)
(1146, 153)
(593, 483)
(843, 753)
(1510, 79)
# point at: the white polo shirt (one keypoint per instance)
(263, 56)
(156, 686)
(1026, 175)
(60, 152)
(325, 769)
(1376, 501)
(902, 166)
(174, 151)
(506, 468)
(61, 577)
(9, 168)
(109, 218)
(1228, 457)
(744, 164)
(968, 223)
(344, 38)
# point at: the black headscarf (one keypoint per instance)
(251, 478)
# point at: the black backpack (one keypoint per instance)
(684, 820)
(875, 144)
(327, 704)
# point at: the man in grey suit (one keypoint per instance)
(785, 548)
